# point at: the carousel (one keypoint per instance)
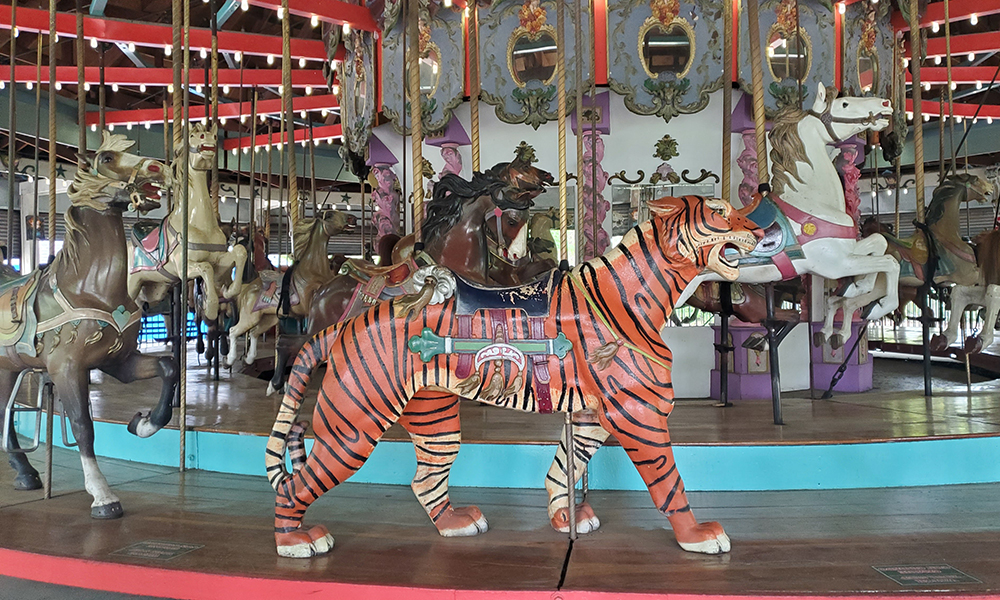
(268, 264)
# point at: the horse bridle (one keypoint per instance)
(134, 192)
(827, 119)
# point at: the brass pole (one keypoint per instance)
(918, 131)
(727, 100)
(53, 149)
(294, 209)
(578, 73)
(951, 105)
(185, 213)
(474, 82)
(416, 124)
(215, 105)
(38, 147)
(561, 99)
(12, 133)
(753, 30)
(81, 62)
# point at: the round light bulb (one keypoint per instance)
(972, 56)
(973, 19)
(114, 87)
(346, 28)
(142, 87)
(128, 126)
(244, 5)
(203, 54)
(168, 50)
(131, 46)
(935, 27)
(238, 56)
(93, 127)
(937, 60)
(314, 20)
(148, 125)
(302, 63)
(31, 85)
(93, 43)
(309, 90)
(270, 59)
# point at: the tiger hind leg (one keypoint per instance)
(433, 422)
(648, 446)
(588, 436)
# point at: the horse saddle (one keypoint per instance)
(151, 246)
(778, 246)
(532, 298)
(381, 283)
(17, 315)
(270, 291)
(912, 255)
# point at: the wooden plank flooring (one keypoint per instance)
(895, 410)
(783, 542)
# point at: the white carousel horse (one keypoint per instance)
(805, 217)
(156, 261)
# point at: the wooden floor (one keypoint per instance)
(896, 409)
(815, 543)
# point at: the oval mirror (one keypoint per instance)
(430, 70)
(532, 57)
(867, 70)
(788, 56)
(666, 48)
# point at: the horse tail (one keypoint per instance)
(285, 294)
(286, 432)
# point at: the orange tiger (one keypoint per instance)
(604, 317)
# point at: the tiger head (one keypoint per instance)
(699, 230)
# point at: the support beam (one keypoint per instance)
(134, 76)
(958, 10)
(963, 44)
(336, 12)
(152, 35)
(327, 132)
(228, 10)
(932, 107)
(230, 110)
(939, 75)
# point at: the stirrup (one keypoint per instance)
(44, 385)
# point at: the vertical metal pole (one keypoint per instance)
(916, 54)
(12, 134)
(570, 475)
(474, 82)
(49, 427)
(33, 241)
(81, 62)
(772, 349)
(53, 150)
(725, 291)
(185, 193)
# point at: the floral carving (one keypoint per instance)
(665, 11)
(532, 16)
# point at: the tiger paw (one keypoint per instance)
(462, 522)
(703, 538)
(586, 520)
(304, 543)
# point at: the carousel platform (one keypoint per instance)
(888, 437)
(202, 535)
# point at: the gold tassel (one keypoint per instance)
(414, 303)
(515, 386)
(604, 355)
(469, 385)
(95, 337)
(494, 389)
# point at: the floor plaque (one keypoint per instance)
(157, 549)
(926, 575)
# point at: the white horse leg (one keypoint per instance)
(248, 320)
(961, 297)
(234, 260)
(95, 483)
(265, 323)
(205, 272)
(992, 304)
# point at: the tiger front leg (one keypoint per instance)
(433, 422)
(644, 435)
(588, 436)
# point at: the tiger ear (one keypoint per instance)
(666, 205)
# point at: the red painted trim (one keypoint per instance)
(962, 44)
(958, 10)
(159, 36)
(932, 107)
(300, 135)
(230, 110)
(939, 75)
(378, 70)
(330, 11)
(601, 41)
(152, 581)
(838, 68)
(134, 76)
(736, 42)
(468, 71)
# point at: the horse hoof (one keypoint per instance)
(818, 339)
(108, 511)
(27, 481)
(836, 341)
(271, 390)
(756, 341)
(938, 343)
(973, 344)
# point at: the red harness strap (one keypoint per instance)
(540, 366)
(814, 227)
(464, 368)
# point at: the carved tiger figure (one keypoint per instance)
(603, 317)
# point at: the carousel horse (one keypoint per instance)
(985, 294)
(156, 261)
(956, 260)
(259, 301)
(583, 340)
(76, 314)
(505, 270)
(455, 236)
(807, 228)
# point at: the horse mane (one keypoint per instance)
(988, 255)
(302, 236)
(786, 148)
(74, 240)
(87, 185)
(452, 193)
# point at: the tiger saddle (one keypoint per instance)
(533, 302)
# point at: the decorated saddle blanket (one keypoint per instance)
(377, 283)
(502, 326)
(912, 255)
(270, 291)
(152, 246)
(18, 322)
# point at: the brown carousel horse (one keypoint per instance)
(258, 301)
(455, 236)
(77, 315)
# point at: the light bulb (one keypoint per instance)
(314, 20)
(336, 89)
(238, 56)
(958, 118)
(170, 88)
(989, 120)
(131, 46)
(937, 60)
(906, 63)
(263, 118)
(3, 84)
(243, 118)
(309, 90)
(303, 143)
(142, 87)
(167, 50)
(324, 112)
(927, 86)
(975, 120)
(888, 192)
(875, 194)
(953, 85)
(147, 125)
(935, 27)
(841, 7)
(281, 90)
(909, 116)
(302, 63)
(235, 152)
(906, 191)
(244, 5)
(203, 54)
(927, 117)
(874, 1)
(128, 126)
(17, 32)
(302, 114)
(204, 120)
(111, 126)
(93, 127)
(225, 89)
(973, 19)
(197, 88)
(86, 86)
(979, 85)
(31, 85)
(346, 28)
(222, 120)
(246, 150)
(114, 87)
(281, 13)
(316, 142)
(270, 59)
(93, 43)
(972, 56)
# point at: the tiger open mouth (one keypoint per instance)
(740, 243)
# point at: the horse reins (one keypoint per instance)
(827, 119)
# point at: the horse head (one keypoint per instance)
(846, 116)
(114, 178)
(335, 222)
(202, 146)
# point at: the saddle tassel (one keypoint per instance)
(604, 355)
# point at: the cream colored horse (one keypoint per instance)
(156, 260)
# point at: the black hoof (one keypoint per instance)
(27, 481)
(133, 425)
(200, 347)
(108, 511)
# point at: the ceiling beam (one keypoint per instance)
(958, 10)
(229, 110)
(326, 132)
(964, 110)
(159, 36)
(329, 11)
(134, 76)
(939, 75)
(962, 44)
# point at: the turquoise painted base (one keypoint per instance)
(704, 468)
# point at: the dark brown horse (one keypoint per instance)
(77, 315)
(455, 236)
